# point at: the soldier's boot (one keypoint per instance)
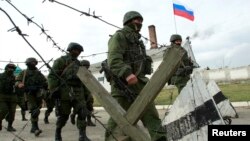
(23, 115)
(72, 119)
(46, 117)
(46, 120)
(58, 136)
(89, 122)
(10, 128)
(37, 131)
(0, 125)
(82, 135)
(33, 128)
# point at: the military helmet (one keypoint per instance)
(85, 63)
(175, 37)
(10, 65)
(73, 45)
(31, 59)
(131, 15)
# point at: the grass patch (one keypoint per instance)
(236, 92)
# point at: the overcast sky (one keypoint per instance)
(219, 33)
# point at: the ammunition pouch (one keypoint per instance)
(148, 65)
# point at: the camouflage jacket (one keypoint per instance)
(65, 67)
(7, 83)
(33, 81)
(127, 54)
(185, 68)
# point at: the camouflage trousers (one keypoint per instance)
(64, 110)
(7, 110)
(150, 119)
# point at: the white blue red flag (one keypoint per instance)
(183, 11)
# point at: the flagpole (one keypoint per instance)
(174, 18)
(175, 25)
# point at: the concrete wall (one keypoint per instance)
(227, 74)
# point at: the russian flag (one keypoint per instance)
(183, 11)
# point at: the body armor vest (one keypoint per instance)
(135, 54)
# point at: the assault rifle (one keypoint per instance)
(119, 83)
(33, 88)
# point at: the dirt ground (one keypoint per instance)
(70, 132)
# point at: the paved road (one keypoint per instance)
(70, 133)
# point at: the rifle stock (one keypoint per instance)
(119, 83)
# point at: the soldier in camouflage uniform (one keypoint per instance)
(8, 98)
(127, 59)
(21, 102)
(68, 91)
(34, 84)
(182, 75)
(50, 104)
(21, 99)
(89, 100)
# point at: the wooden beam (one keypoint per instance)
(159, 79)
(111, 105)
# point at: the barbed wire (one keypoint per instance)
(85, 13)
(43, 31)
(15, 135)
(49, 37)
(47, 65)
(159, 50)
(54, 43)
(98, 18)
(18, 30)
